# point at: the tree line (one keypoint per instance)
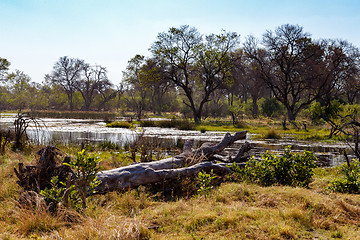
(201, 76)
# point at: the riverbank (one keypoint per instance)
(231, 210)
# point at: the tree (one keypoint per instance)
(137, 91)
(154, 79)
(20, 88)
(346, 63)
(194, 65)
(291, 66)
(4, 66)
(246, 81)
(94, 79)
(66, 73)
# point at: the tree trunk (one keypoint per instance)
(189, 163)
(291, 115)
(255, 109)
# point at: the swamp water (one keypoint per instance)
(79, 131)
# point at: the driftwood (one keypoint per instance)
(37, 177)
(189, 163)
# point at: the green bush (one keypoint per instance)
(270, 107)
(81, 184)
(204, 182)
(349, 182)
(287, 169)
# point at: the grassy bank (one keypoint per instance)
(232, 210)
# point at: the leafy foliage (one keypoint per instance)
(349, 182)
(81, 184)
(270, 107)
(204, 181)
(287, 169)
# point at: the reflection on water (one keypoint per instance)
(94, 131)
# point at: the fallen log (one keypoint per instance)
(188, 163)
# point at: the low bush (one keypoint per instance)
(349, 182)
(287, 169)
(272, 134)
(78, 187)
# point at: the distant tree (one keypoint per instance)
(107, 93)
(93, 80)
(66, 73)
(347, 57)
(246, 81)
(4, 66)
(19, 87)
(194, 65)
(292, 67)
(154, 79)
(137, 89)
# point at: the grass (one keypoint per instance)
(232, 210)
(119, 124)
(106, 116)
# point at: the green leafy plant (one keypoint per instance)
(287, 169)
(204, 181)
(54, 195)
(349, 182)
(79, 185)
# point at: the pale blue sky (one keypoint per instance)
(34, 34)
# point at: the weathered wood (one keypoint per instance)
(170, 168)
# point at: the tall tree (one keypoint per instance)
(66, 73)
(196, 66)
(291, 68)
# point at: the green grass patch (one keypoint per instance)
(119, 124)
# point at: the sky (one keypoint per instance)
(34, 34)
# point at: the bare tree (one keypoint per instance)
(94, 79)
(66, 73)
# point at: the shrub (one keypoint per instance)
(287, 169)
(272, 134)
(203, 130)
(108, 145)
(349, 182)
(204, 181)
(81, 184)
(120, 124)
(270, 107)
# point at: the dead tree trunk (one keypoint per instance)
(189, 163)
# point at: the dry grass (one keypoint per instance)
(230, 211)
